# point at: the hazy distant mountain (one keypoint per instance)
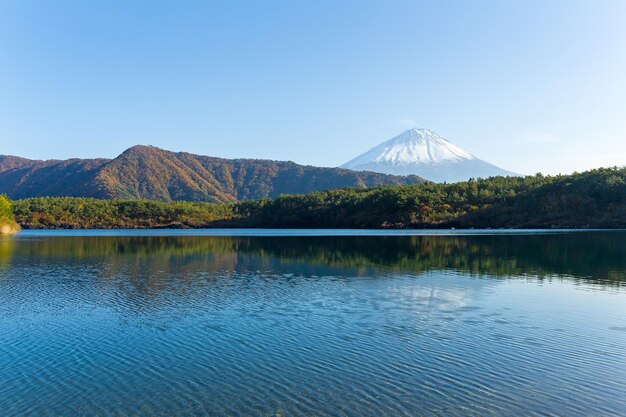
(152, 173)
(424, 153)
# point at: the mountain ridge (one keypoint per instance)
(148, 172)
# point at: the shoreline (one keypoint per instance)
(294, 232)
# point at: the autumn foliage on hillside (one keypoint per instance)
(147, 172)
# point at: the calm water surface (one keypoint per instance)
(128, 323)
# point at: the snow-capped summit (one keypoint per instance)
(423, 152)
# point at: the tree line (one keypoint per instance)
(590, 199)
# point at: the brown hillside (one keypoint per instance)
(152, 173)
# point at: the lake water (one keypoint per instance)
(273, 323)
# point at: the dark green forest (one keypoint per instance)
(91, 213)
(593, 199)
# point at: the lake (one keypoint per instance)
(313, 323)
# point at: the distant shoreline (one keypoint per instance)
(329, 233)
(406, 230)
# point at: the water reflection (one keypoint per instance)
(326, 326)
(595, 257)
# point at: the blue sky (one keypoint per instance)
(529, 85)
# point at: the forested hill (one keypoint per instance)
(147, 172)
(594, 199)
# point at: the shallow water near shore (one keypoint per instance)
(313, 323)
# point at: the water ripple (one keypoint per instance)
(142, 336)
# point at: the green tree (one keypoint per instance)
(7, 219)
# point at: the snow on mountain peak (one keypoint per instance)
(423, 152)
(412, 146)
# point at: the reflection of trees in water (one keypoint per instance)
(597, 256)
(6, 250)
(153, 272)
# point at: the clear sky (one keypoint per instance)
(528, 85)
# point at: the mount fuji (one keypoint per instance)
(423, 152)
